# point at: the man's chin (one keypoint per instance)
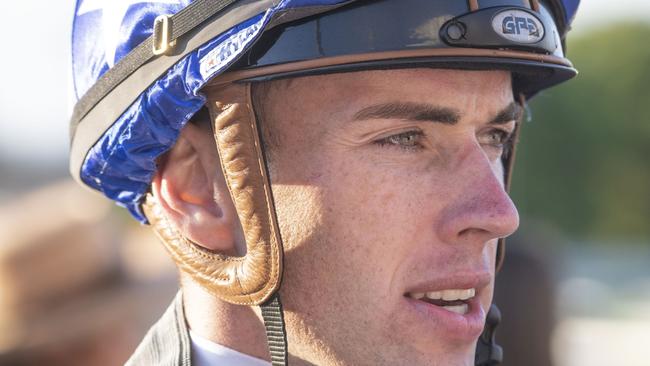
(463, 356)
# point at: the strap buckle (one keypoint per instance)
(162, 34)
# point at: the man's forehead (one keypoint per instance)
(355, 86)
(429, 75)
(464, 92)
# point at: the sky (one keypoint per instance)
(598, 13)
(35, 72)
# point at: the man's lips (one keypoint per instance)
(476, 280)
(454, 300)
(451, 304)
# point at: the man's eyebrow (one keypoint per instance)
(409, 111)
(510, 113)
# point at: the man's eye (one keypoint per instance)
(496, 138)
(409, 140)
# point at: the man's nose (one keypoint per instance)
(481, 209)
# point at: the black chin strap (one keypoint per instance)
(276, 335)
(488, 352)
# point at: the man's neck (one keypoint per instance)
(233, 326)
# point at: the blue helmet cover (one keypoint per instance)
(122, 162)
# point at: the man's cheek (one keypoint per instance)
(490, 252)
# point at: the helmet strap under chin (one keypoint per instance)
(488, 352)
(276, 335)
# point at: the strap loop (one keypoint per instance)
(162, 32)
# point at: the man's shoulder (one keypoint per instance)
(167, 343)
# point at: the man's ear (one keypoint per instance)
(192, 192)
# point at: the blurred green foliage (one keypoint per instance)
(584, 160)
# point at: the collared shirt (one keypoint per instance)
(169, 342)
(208, 353)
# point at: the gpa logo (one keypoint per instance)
(518, 26)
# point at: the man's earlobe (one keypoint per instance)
(192, 193)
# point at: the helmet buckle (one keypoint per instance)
(162, 34)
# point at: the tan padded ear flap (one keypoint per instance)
(254, 278)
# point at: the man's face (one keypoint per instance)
(389, 184)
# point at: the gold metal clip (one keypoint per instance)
(162, 33)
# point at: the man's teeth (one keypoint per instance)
(458, 309)
(454, 296)
(446, 295)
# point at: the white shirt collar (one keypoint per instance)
(208, 353)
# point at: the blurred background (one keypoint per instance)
(81, 282)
